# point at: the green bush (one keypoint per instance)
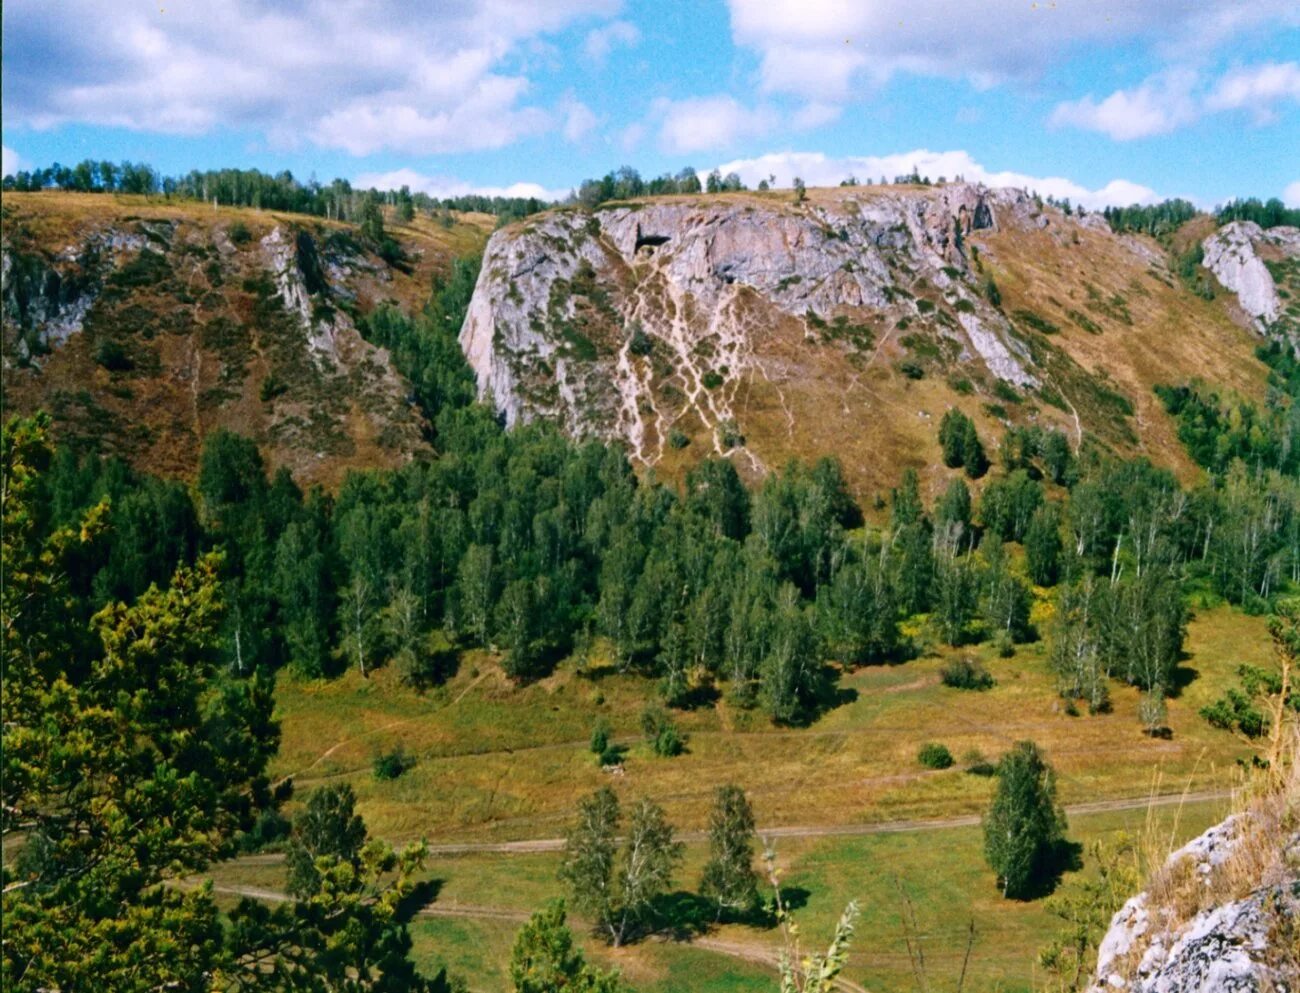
(641, 343)
(239, 233)
(611, 756)
(965, 674)
(934, 756)
(392, 764)
(678, 439)
(113, 356)
(991, 292)
(600, 738)
(272, 387)
(661, 730)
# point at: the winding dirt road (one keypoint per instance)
(767, 957)
(533, 846)
(757, 954)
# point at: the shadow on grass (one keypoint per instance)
(697, 698)
(681, 916)
(595, 673)
(1065, 856)
(1182, 677)
(431, 668)
(421, 895)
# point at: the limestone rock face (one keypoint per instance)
(643, 317)
(1239, 254)
(1227, 947)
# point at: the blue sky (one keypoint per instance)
(1099, 100)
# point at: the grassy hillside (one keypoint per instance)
(1100, 318)
(144, 324)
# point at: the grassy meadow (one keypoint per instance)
(493, 762)
(496, 762)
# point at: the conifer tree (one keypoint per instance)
(329, 826)
(545, 960)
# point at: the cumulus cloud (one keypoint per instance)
(360, 77)
(1291, 195)
(448, 186)
(822, 50)
(12, 161)
(1256, 89)
(579, 120)
(1158, 106)
(600, 42)
(1170, 100)
(703, 123)
(818, 169)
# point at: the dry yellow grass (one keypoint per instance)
(496, 762)
(205, 356)
(1126, 324)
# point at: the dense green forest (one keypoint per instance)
(253, 188)
(146, 621)
(533, 545)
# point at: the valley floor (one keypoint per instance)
(852, 814)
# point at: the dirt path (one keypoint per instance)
(759, 955)
(534, 846)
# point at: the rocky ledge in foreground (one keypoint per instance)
(1222, 915)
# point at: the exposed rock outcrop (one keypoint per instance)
(628, 320)
(1197, 932)
(141, 334)
(1251, 261)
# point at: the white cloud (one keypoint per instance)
(578, 119)
(1291, 195)
(1158, 106)
(826, 50)
(487, 118)
(1256, 88)
(821, 73)
(702, 123)
(1172, 99)
(814, 115)
(818, 169)
(360, 77)
(616, 34)
(448, 186)
(12, 161)
(631, 136)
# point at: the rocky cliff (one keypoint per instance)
(1262, 267)
(1222, 915)
(142, 327)
(752, 326)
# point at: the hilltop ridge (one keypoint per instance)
(759, 327)
(143, 326)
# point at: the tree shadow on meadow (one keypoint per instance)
(422, 894)
(1182, 677)
(1065, 856)
(682, 916)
